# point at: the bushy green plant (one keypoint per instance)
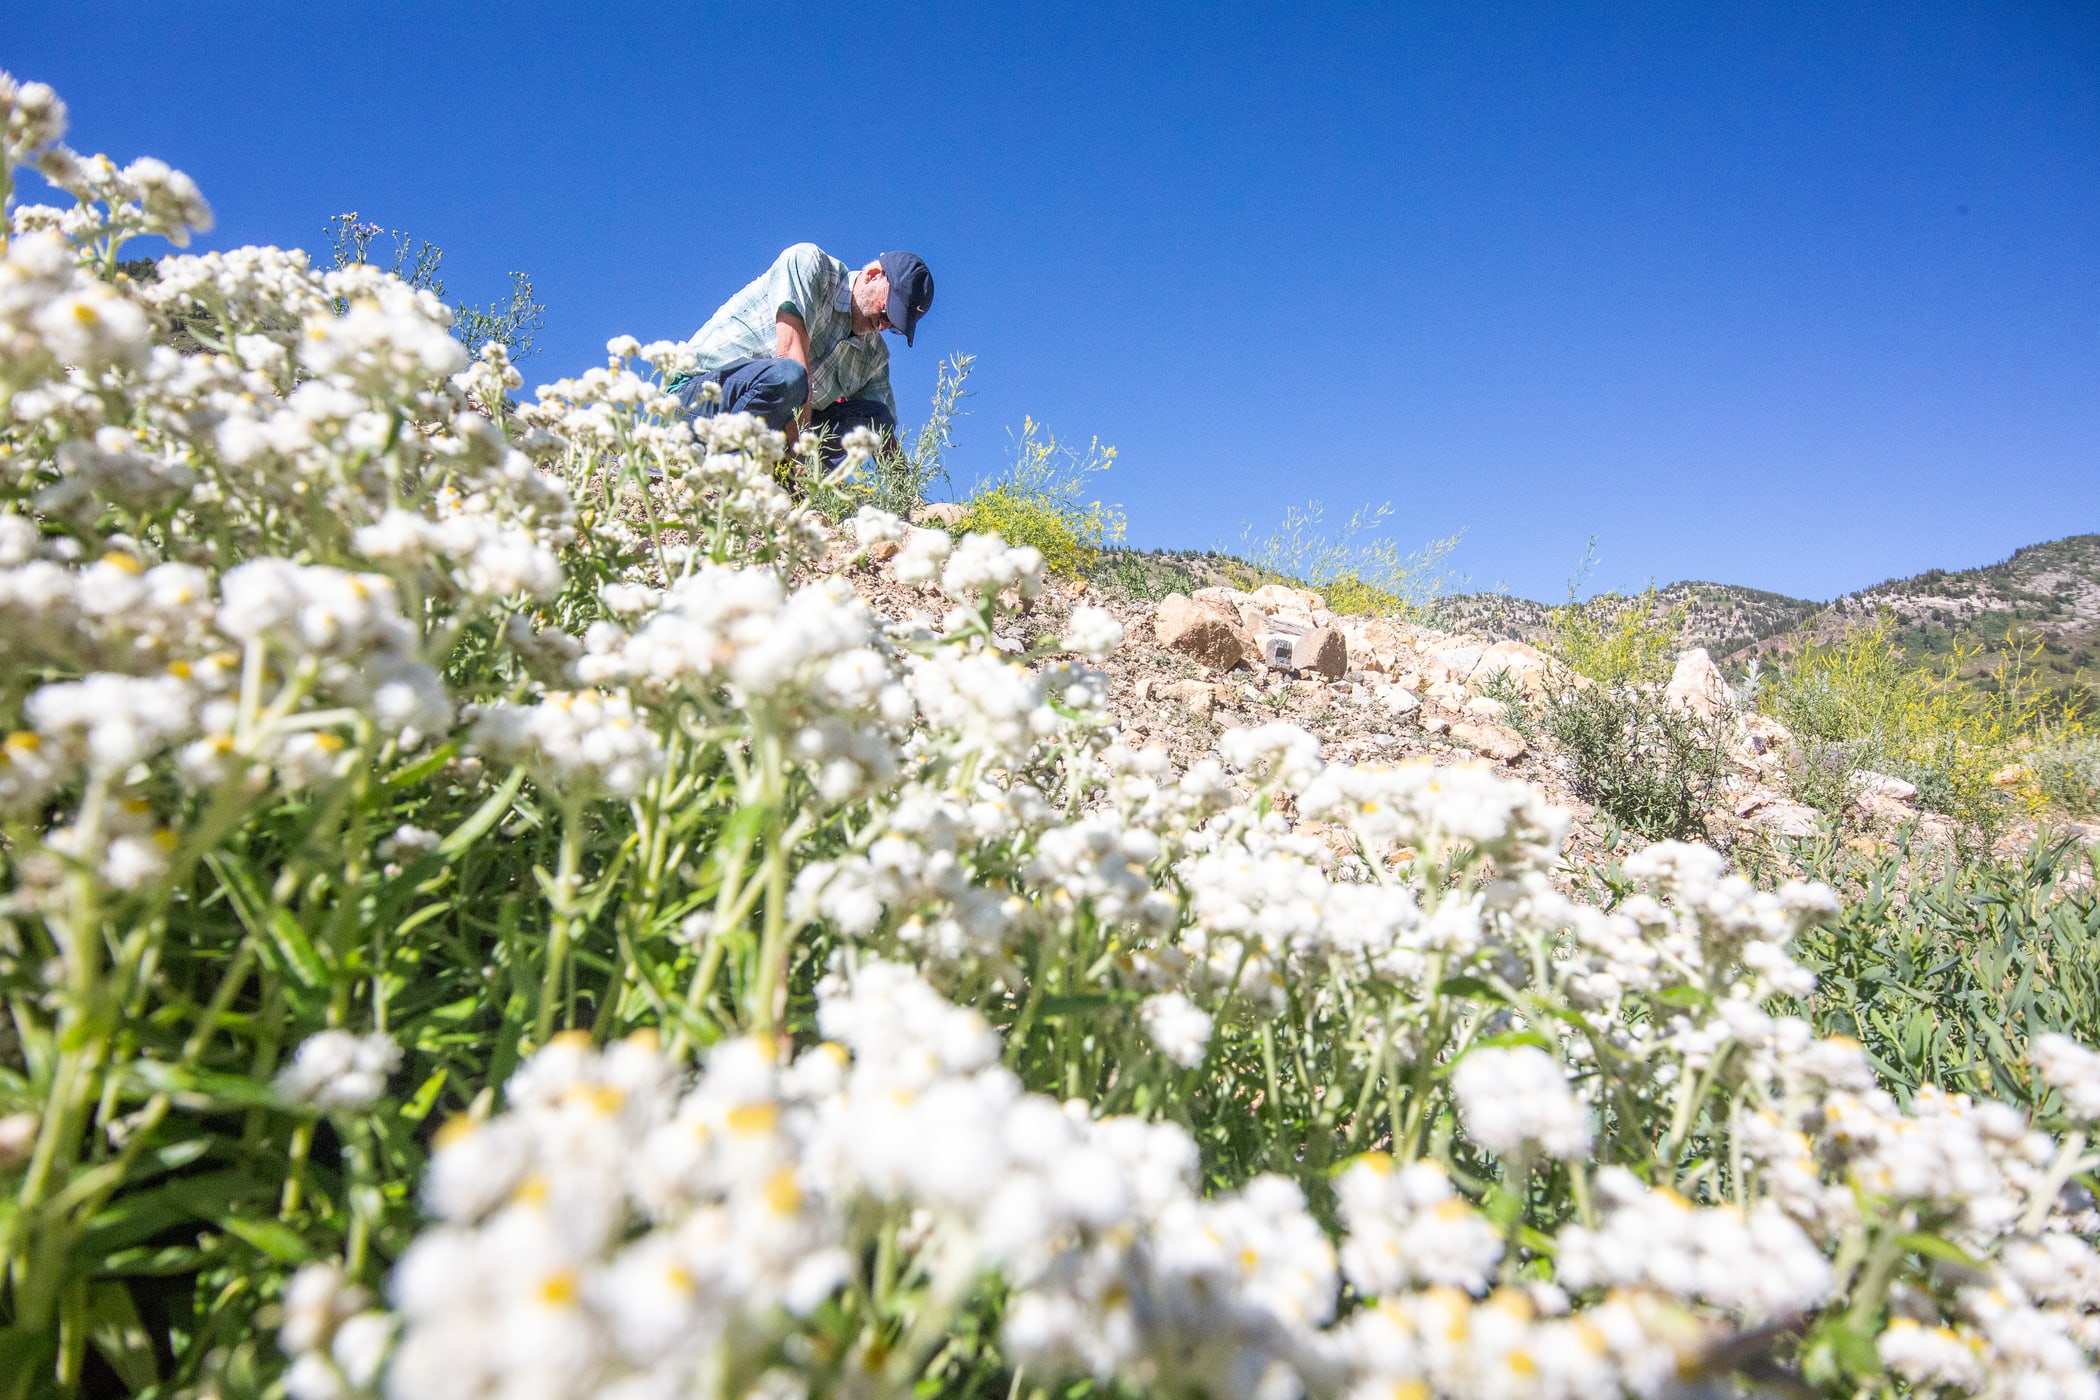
(1650, 766)
(1045, 500)
(1357, 572)
(2067, 773)
(1948, 968)
(1611, 639)
(1147, 575)
(1615, 640)
(1518, 711)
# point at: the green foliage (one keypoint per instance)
(1616, 640)
(1520, 715)
(1861, 702)
(1044, 500)
(1358, 573)
(1649, 766)
(1611, 638)
(513, 323)
(1947, 975)
(2067, 772)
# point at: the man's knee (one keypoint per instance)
(770, 388)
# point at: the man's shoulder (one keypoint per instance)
(808, 257)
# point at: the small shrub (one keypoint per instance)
(1647, 765)
(1043, 500)
(1146, 575)
(1519, 714)
(1615, 640)
(1024, 519)
(514, 323)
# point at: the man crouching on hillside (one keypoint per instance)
(802, 346)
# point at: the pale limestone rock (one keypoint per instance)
(1292, 622)
(1697, 686)
(1321, 650)
(1754, 799)
(1762, 734)
(1271, 596)
(943, 515)
(1206, 632)
(1398, 701)
(1460, 661)
(1230, 597)
(1481, 707)
(1872, 784)
(1886, 809)
(1526, 667)
(1495, 741)
(1450, 694)
(1199, 696)
(1376, 645)
(1435, 724)
(1784, 818)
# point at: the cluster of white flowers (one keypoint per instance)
(2072, 1070)
(1516, 1098)
(1180, 1028)
(608, 1232)
(338, 1070)
(581, 742)
(1757, 1264)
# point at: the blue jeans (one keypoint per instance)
(773, 388)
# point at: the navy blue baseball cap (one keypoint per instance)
(911, 290)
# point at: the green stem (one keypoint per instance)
(565, 919)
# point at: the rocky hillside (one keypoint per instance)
(2042, 604)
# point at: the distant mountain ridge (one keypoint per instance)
(2043, 603)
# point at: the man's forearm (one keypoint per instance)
(791, 342)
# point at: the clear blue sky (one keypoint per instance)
(1800, 296)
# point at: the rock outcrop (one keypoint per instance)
(1202, 630)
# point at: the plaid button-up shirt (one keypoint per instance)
(817, 287)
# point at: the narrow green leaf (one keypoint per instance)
(280, 1242)
(426, 1096)
(485, 816)
(1933, 1247)
(116, 1331)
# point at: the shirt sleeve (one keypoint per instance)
(798, 282)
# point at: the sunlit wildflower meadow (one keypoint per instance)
(487, 916)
